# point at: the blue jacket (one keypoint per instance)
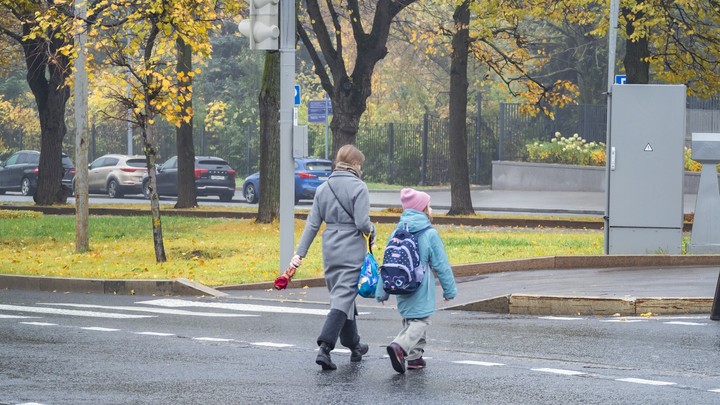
(421, 304)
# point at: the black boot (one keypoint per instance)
(323, 357)
(350, 338)
(357, 353)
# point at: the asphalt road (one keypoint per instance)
(88, 349)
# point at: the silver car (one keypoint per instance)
(117, 175)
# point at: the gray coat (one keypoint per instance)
(343, 243)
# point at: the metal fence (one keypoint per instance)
(412, 153)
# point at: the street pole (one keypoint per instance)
(129, 114)
(325, 100)
(287, 166)
(612, 44)
(82, 208)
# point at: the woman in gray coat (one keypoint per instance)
(343, 203)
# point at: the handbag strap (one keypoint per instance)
(340, 202)
(367, 237)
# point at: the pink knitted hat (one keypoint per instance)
(413, 199)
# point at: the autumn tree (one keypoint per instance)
(673, 42)
(137, 40)
(347, 82)
(42, 30)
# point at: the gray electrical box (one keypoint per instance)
(300, 141)
(645, 190)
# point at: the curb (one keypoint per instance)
(540, 263)
(178, 287)
(520, 304)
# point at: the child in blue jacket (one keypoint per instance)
(417, 307)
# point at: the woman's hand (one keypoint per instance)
(296, 262)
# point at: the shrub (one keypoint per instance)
(573, 151)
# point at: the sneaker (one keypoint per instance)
(397, 357)
(357, 353)
(416, 364)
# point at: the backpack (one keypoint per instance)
(401, 272)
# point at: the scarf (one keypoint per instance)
(342, 166)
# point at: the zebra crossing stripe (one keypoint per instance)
(211, 339)
(154, 334)
(685, 323)
(280, 345)
(478, 363)
(39, 323)
(71, 312)
(17, 317)
(646, 382)
(164, 311)
(99, 329)
(557, 371)
(176, 303)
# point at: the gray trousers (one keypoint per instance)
(412, 338)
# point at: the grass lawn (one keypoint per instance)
(229, 251)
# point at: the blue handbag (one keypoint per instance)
(368, 280)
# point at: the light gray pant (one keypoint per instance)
(412, 338)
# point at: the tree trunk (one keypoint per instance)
(46, 79)
(269, 100)
(184, 134)
(346, 118)
(637, 68)
(460, 200)
(151, 160)
(349, 93)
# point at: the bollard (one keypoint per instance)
(715, 312)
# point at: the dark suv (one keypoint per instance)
(213, 176)
(20, 172)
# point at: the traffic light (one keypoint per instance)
(262, 26)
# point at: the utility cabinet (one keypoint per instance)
(645, 164)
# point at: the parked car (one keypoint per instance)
(213, 176)
(309, 174)
(116, 175)
(20, 172)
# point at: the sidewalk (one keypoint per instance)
(626, 291)
(534, 202)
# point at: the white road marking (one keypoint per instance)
(71, 312)
(685, 323)
(270, 344)
(152, 310)
(99, 329)
(17, 317)
(209, 339)
(715, 390)
(624, 320)
(557, 371)
(154, 334)
(39, 323)
(560, 318)
(478, 363)
(30, 403)
(175, 303)
(646, 382)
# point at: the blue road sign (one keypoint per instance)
(297, 94)
(620, 79)
(317, 110)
